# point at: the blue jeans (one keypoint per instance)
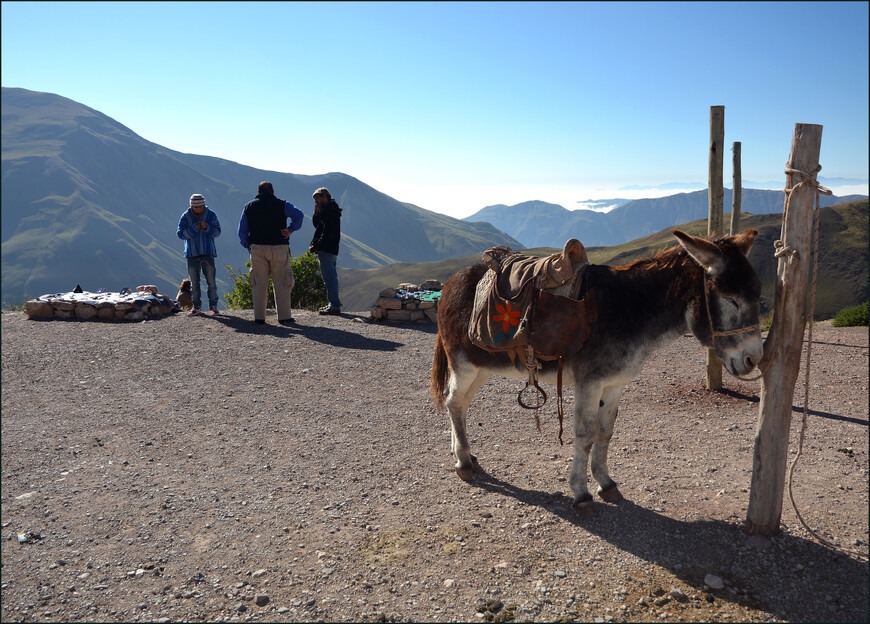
(330, 277)
(206, 263)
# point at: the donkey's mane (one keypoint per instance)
(666, 258)
(673, 257)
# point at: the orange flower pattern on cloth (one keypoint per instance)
(507, 316)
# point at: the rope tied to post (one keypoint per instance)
(806, 179)
(784, 250)
(781, 249)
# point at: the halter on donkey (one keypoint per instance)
(705, 287)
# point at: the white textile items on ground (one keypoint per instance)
(102, 306)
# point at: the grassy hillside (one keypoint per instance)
(843, 260)
(87, 201)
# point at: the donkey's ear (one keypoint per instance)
(745, 239)
(702, 251)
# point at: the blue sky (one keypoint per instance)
(455, 106)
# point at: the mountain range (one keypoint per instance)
(694, 186)
(541, 224)
(843, 268)
(85, 200)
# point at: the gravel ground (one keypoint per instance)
(208, 469)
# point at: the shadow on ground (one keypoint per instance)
(324, 335)
(794, 408)
(764, 573)
(425, 328)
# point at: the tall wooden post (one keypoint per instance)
(737, 193)
(782, 349)
(715, 199)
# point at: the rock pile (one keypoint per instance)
(104, 306)
(408, 303)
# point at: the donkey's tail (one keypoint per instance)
(438, 381)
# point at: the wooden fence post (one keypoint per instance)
(737, 193)
(715, 200)
(782, 349)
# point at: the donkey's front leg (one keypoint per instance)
(606, 418)
(463, 385)
(585, 429)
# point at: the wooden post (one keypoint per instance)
(737, 193)
(782, 349)
(715, 200)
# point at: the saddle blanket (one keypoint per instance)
(540, 302)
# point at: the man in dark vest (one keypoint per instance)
(263, 231)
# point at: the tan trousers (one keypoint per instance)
(271, 261)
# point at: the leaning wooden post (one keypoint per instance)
(782, 349)
(737, 193)
(715, 200)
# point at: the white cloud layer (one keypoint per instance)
(461, 201)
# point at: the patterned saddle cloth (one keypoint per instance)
(545, 303)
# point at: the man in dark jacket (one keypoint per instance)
(263, 231)
(327, 233)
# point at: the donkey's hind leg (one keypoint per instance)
(606, 418)
(462, 386)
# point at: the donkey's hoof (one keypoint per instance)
(611, 493)
(466, 473)
(583, 504)
(475, 465)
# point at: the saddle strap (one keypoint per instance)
(559, 402)
(526, 355)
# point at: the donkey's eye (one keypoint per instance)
(732, 302)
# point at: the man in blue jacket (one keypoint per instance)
(264, 232)
(198, 227)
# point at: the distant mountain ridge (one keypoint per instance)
(541, 224)
(694, 186)
(85, 200)
(843, 259)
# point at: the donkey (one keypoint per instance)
(706, 287)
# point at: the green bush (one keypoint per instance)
(309, 293)
(851, 317)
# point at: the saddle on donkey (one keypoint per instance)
(534, 309)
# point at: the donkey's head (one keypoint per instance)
(726, 313)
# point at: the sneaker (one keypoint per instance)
(323, 309)
(212, 311)
(287, 321)
(330, 311)
(260, 321)
(194, 311)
